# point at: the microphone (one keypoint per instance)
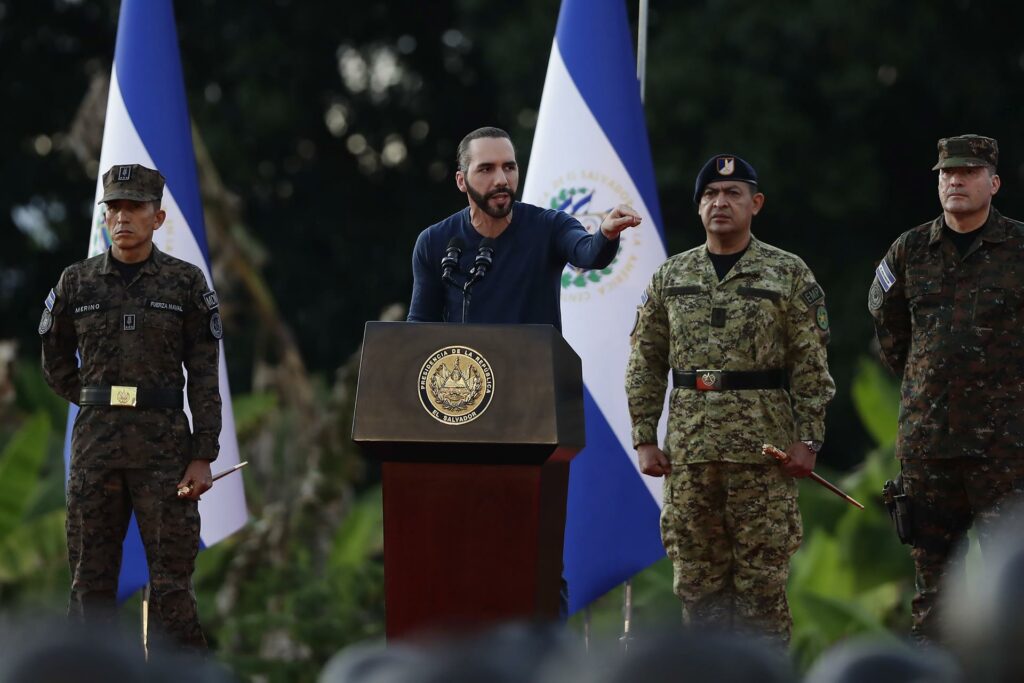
(450, 262)
(484, 259)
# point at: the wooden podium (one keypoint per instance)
(475, 426)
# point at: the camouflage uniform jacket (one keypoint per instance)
(768, 312)
(950, 327)
(140, 335)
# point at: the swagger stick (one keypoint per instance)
(781, 456)
(185, 490)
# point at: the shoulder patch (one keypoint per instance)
(884, 275)
(812, 294)
(875, 296)
(46, 322)
(644, 298)
(51, 299)
(210, 299)
(216, 327)
(821, 317)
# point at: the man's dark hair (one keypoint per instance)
(462, 155)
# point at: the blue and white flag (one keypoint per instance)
(148, 123)
(590, 153)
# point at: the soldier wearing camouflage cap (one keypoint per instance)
(741, 326)
(135, 316)
(948, 305)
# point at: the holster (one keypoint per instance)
(898, 505)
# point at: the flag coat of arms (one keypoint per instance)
(147, 122)
(590, 153)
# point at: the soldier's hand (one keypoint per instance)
(652, 461)
(801, 460)
(198, 479)
(618, 219)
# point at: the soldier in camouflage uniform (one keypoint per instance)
(948, 305)
(135, 316)
(742, 328)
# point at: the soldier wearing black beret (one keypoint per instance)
(741, 328)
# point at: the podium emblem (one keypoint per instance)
(456, 385)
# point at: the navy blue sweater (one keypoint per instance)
(524, 283)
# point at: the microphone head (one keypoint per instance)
(456, 243)
(487, 243)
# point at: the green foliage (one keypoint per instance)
(360, 539)
(877, 401)
(32, 544)
(250, 410)
(19, 470)
(292, 613)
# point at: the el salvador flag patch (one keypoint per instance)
(885, 276)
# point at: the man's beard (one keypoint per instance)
(482, 200)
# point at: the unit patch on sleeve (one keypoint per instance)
(46, 322)
(875, 296)
(210, 299)
(812, 294)
(216, 327)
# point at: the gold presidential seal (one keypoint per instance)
(456, 385)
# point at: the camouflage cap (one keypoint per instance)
(723, 167)
(967, 150)
(134, 182)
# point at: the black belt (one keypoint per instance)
(130, 397)
(729, 380)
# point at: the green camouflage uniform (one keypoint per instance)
(122, 458)
(730, 520)
(950, 327)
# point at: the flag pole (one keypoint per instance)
(641, 75)
(145, 621)
(641, 48)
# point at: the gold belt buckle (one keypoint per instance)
(124, 396)
(709, 380)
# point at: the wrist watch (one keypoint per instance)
(815, 446)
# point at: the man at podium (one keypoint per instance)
(499, 260)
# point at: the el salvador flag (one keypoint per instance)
(148, 123)
(590, 153)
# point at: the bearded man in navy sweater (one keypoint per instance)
(529, 245)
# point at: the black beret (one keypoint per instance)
(723, 167)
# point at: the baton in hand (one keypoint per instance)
(783, 458)
(185, 490)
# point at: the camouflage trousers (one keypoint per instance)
(948, 495)
(100, 504)
(730, 530)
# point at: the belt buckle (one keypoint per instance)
(125, 397)
(709, 380)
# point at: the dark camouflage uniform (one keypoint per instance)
(730, 520)
(140, 334)
(950, 327)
